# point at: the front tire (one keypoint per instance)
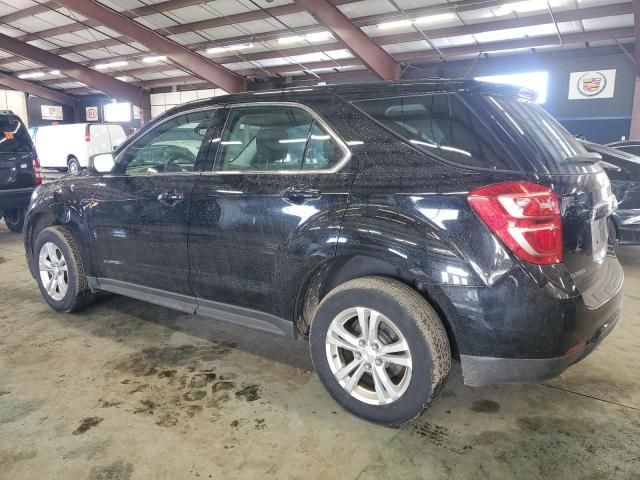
(380, 349)
(14, 219)
(60, 273)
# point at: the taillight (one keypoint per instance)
(37, 172)
(87, 134)
(525, 216)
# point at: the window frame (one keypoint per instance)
(406, 141)
(315, 117)
(123, 153)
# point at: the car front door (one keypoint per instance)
(139, 214)
(270, 210)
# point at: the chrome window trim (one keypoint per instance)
(315, 116)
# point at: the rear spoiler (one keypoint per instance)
(585, 157)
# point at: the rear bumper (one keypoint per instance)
(481, 371)
(628, 226)
(16, 198)
(519, 330)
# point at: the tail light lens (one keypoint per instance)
(37, 172)
(525, 216)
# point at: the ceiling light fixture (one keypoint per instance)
(25, 76)
(395, 24)
(241, 46)
(154, 58)
(103, 66)
(123, 78)
(54, 72)
(310, 37)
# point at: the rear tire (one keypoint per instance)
(407, 346)
(14, 219)
(59, 271)
(73, 166)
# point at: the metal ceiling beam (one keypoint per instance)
(467, 50)
(529, 21)
(31, 88)
(27, 12)
(97, 80)
(196, 64)
(371, 54)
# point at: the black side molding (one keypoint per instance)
(245, 317)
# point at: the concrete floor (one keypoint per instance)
(127, 390)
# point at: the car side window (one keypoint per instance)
(275, 138)
(171, 147)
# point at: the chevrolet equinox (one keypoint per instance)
(395, 226)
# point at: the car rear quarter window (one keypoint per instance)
(14, 136)
(442, 125)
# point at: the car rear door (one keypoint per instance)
(139, 214)
(270, 211)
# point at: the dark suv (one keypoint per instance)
(19, 170)
(394, 225)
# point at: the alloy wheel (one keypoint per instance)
(53, 271)
(369, 356)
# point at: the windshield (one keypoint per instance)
(14, 137)
(553, 144)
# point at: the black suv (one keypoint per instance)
(394, 225)
(19, 170)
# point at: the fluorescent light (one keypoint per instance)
(318, 36)
(395, 24)
(310, 37)
(123, 78)
(154, 58)
(293, 140)
(54, 72)
(31, 75)
(103, 66)
(241, 46)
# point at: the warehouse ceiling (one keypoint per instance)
(263, 39)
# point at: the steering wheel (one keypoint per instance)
(172, 163)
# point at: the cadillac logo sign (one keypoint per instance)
(594, 84)
(591, 84)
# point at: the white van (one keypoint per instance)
(68, 147)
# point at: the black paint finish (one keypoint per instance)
(241, 243)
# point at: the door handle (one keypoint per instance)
(300, 195)
(170, 198)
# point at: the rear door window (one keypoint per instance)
(14, 136)
(441, 125)
(276, 138)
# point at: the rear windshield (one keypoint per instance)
(14, 137)
(442, 125)
(551, 144)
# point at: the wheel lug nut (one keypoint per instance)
(378, 362)
(362, 343)
(358, 355)
(375, 346)
(367, 366)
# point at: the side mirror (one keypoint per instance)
(102, 163)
